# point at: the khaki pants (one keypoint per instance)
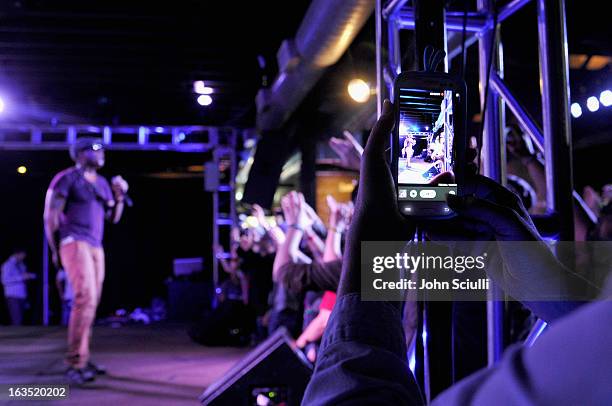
(84, 265)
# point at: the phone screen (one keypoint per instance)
(426, 135)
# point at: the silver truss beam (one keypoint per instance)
(189, 138)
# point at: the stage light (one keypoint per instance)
(200, 87)
(576, 110)
(426, 128)
(592, 104)
(205, 100)
(359, 90)
(22, 170)
(1, 104)
(159, 130)
(606, 98)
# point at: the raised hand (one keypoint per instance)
(119, 185)
(348, 149)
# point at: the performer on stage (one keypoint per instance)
(408, 149)
(77, 203)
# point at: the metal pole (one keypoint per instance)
(554, 86)
(232, 182)
(214, 140)
(393, 7)
(537, 330)
(493, 143)
(493, 150)
(511, 8)
(454, 21)
(394, 46)
(380, 80)
(45, 281)
(525, 120)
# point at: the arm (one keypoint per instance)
(54, 207)
(315, 244)
(226, 267)
(348, 149)
(363, 346)
(277, 235)
(568, 365)
(340, 218)
(313, 241)
(536, 278)
(314, 331)
(332, 245)
(117, 210)
(294, 208)
(337, 223)
(287, 251)
(119, 188)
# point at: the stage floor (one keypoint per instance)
(147, 365)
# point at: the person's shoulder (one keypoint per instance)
(62, 176)
(101, 179)
(7, 263)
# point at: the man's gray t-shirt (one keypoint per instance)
(86, 204)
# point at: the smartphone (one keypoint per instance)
(429, 140)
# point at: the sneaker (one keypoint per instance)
(77, 376)
(95, 369)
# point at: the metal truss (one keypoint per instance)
(190, 138)
(552, 138)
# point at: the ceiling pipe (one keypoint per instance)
(326, 32)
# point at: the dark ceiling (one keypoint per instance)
(135, 61)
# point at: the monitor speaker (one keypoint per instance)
(272, 374)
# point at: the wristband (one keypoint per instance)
(297, 227)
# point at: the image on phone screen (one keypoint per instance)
(425, 143)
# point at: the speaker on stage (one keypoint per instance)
(271, 374)
(270, 156)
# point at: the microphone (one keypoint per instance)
(126, 198)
